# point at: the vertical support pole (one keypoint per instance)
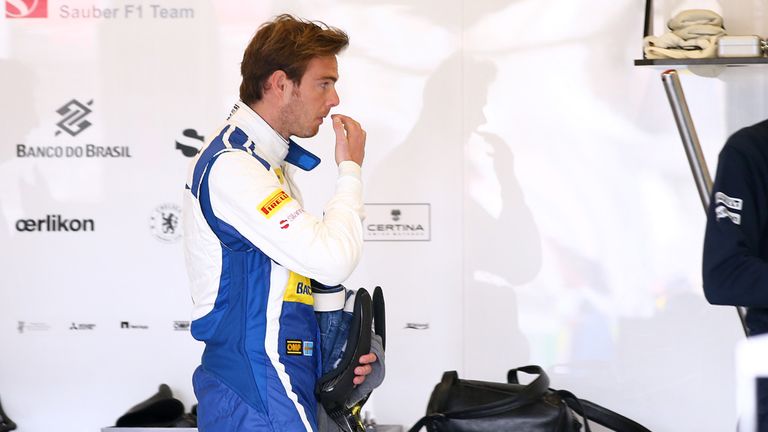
(692, 149)
(648, 26)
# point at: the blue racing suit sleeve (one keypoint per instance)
(735, 270)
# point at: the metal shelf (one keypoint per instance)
(719, 63)
(722, 61)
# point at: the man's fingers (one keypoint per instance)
(363, 370)
(350, 139)
(368, 358)
(338, 126)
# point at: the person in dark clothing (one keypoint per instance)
(735, 264)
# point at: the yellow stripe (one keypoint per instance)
(279, 173)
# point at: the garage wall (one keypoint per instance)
(530, 202)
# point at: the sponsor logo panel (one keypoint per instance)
(131, 11)
(74, 115)
(164, 223)
(273, 203)
(181, 325)
(55, 223)
(397, 222)
(126, 325)
(82, 326)
(297, 347)
(74, 121)
(26, 8)
(294, 347)
(26, 326)
(190, 143)
(309, 348)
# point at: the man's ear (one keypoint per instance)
(277, 83)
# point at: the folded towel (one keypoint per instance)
(699, 30)
(695, 17)
(704, 47)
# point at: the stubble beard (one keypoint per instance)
(291, 117)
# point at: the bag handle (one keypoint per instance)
(601, 415)
(531, 393)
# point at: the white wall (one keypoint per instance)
(566, 230)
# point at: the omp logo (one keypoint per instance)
(26, 8)
(294, 347)
(273, 203)
(74, 113)
(190, 143)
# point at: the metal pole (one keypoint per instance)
(692, 149)
(648, 24)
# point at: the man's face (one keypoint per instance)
(310, 101)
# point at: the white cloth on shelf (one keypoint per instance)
(699, 30)
(693, 35)
(695, 17)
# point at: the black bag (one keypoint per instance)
(160, 410)
(458, 405)
(6, 424)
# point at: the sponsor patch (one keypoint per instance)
(298, 290)
(309, 348)
(733, 203)
(279, 174)
(274, 203)
(722, 212)
(294, 347)
(285, 223)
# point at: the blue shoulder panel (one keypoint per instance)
(300, 157)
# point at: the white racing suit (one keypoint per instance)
(250, 250)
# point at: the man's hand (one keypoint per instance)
(364, 368)
(350, 140)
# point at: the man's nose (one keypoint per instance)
(333, 99)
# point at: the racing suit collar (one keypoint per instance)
(270, 144)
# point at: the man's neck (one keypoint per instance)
(270, 116)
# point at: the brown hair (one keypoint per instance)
(288, 44)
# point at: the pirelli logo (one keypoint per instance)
(273, 203)
(294, 347)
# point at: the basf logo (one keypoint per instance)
(26, 8)
(397, 222)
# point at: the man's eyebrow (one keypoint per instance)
(329, 77)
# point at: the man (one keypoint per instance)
(735, 265)
(251, 249)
